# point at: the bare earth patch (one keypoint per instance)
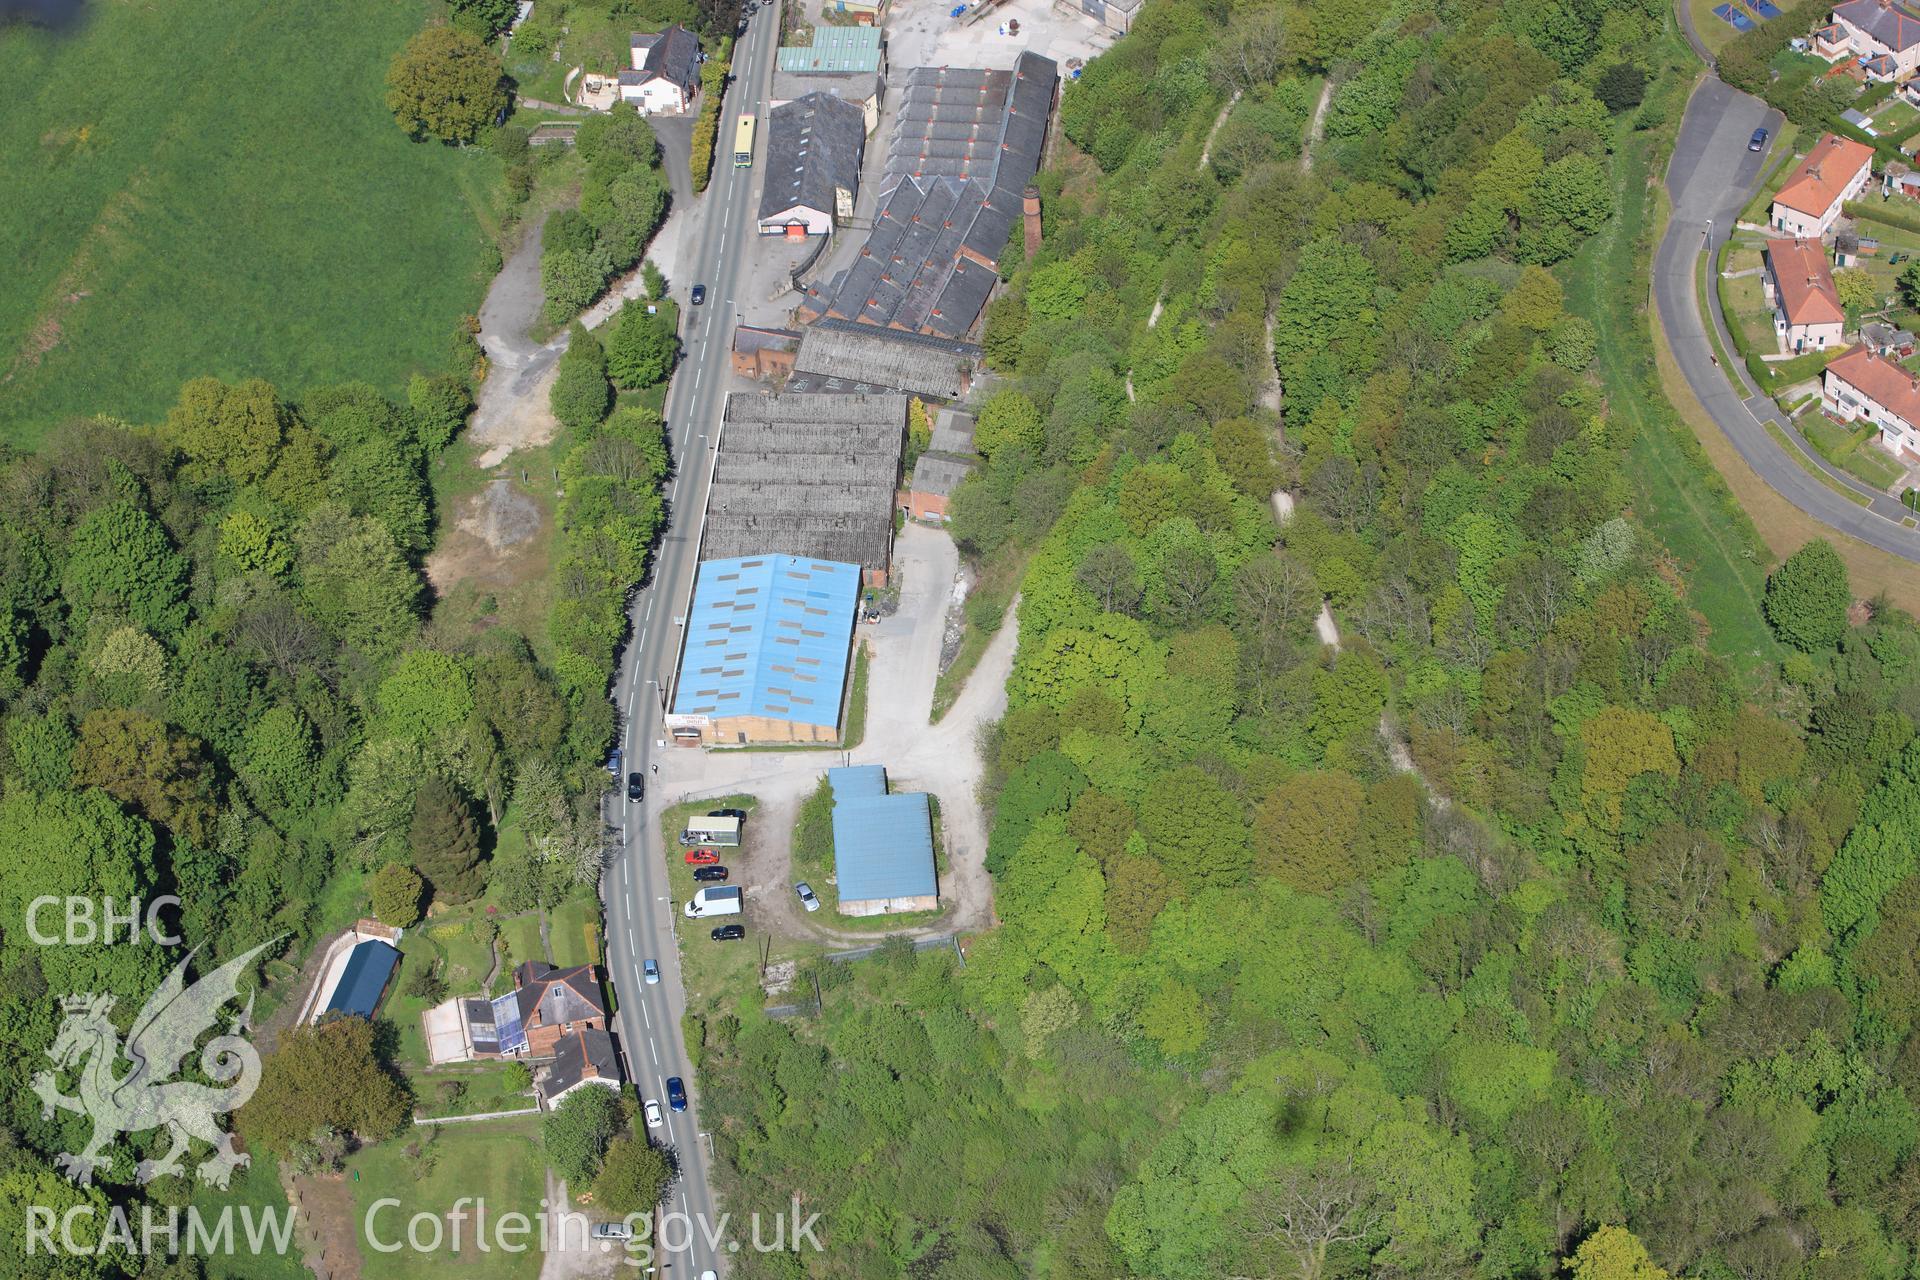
(327, 1224)
(492, 530)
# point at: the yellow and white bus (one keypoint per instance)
(743, 143)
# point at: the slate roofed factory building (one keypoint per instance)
(814, 145)
(965, 145)
(813, 476)
(765, 651)
(914, 362)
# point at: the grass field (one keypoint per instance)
(1678, 497)
(498, 1161)
(255, 1189)
(218, 188)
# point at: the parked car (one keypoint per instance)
(738, 815)
(636, 787)
(699, 294)
(740, 28)
(710, 875)
(702, 857)
(1758, 142)
(676, 1094)
(613, 763)
(729, 933)
(652, 969)
(807, 898)
(654, 1118)
(612, 1231)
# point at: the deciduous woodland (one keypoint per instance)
(1518, 933)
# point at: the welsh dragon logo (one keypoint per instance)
(146, 1096)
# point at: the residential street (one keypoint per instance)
(712, 243)
(1711, 177)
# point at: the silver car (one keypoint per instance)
(807, 898)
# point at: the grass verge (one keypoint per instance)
(1679, 498)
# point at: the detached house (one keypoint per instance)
(665, 73)
(1834, 172)
(1861, 385)
(1807, 314)
(554, 1003)
(581, 1058)
(1883, 34)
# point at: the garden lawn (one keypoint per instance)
(574, 932)
(1895, 118)
(483, 1090)
(1851, 449)
(521, 937)
(498, 1161)
(218, 188)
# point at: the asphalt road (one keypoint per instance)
(1711, 177)
(640, 920)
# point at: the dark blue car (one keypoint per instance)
(1758, 142)
(676, 1094)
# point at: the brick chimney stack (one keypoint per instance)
(1030, 214)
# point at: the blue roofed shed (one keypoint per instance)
(364, 980)
(882, 845)
(857, 782)
(765, 657)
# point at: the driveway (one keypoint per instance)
(1711, 177)
(941, 759)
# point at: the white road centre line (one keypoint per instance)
(650, 1051)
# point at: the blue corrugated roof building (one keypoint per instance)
(857, 782)
(768, 636)
(882, 844)
(369, 966)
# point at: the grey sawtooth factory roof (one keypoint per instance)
(965, 145)
(893, 358)
(807, 475)
(814, 146)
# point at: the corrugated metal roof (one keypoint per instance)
(883, 847)
(767, 636)
(855, 782)
(364, 978)
(835, 50)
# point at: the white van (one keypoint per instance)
(714, 900)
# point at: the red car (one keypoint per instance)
(702, 857)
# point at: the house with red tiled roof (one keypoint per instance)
(1861, 385)
(1883, 34)
(1834, 172)
(1807, 315)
